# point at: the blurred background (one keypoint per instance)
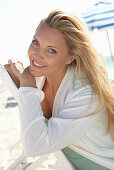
(19, 19)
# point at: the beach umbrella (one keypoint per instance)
(100, 16)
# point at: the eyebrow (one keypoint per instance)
(53, 46)
(48, 45)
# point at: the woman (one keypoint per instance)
(66, 100)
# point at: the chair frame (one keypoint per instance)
(21, 162)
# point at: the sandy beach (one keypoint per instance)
(10, 130)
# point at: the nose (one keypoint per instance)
(37, 54)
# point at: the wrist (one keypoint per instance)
(26, 83)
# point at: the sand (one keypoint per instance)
(10, 131)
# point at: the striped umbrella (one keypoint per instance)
(100, 16)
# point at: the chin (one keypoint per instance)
(34, 73)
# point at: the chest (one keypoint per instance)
(47, 104)
(47, 108)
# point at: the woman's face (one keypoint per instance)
(48, 52)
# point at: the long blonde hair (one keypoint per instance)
(87, 58)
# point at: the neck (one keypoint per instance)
(53, 82)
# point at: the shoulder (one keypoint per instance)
(79, 98)
(78, 87)
(80, 95)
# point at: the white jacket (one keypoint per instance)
(72, 123)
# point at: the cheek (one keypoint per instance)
(30, 52)
(58, 61)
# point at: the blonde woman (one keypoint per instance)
(66, 100)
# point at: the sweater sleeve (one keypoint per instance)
(71, 123)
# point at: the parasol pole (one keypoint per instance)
(112, 57)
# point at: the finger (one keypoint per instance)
(13, 60)
(10, 61)
(7, 67)
(16, 66)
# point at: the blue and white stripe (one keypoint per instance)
(100, 16)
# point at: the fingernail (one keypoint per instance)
(9, 61)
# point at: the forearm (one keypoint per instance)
(33, 127)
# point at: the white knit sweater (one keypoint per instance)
(72, 123)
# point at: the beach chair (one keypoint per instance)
(22, 163)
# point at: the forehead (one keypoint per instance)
(49, 35)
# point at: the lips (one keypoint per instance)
(37, 65)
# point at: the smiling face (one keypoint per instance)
(48, 52)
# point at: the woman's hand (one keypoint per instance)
(27, 79)
(17, 68)
(12, 75)
(21, 76)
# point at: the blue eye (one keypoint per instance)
(35, 42)
(52, 51)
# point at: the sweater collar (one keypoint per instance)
(40, 81)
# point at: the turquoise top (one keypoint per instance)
(80, 162)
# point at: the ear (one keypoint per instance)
(69, 59)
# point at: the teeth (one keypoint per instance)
(37, 64)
